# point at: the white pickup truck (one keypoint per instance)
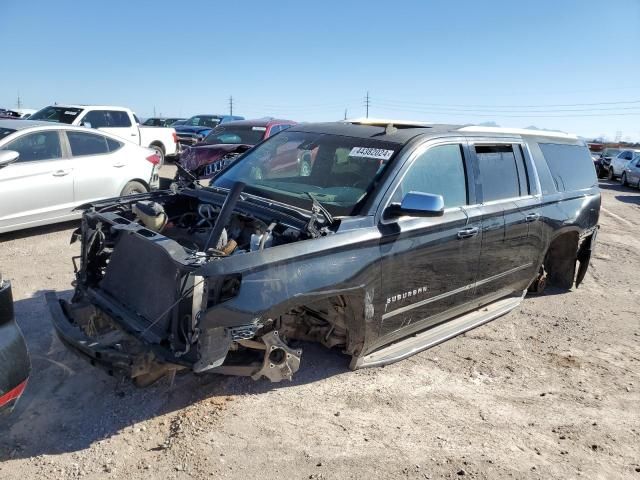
(118, 121)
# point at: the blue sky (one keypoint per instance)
(511, 62)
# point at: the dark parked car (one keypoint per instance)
(228, 140)
(194, 129)
(400, 237)
(14, 357)
(161, 122)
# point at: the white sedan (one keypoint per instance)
(46, 170)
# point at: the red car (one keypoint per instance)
(225, 142)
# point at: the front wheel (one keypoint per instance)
(623, 179)
(611, 175)
(133, 188)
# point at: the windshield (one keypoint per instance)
(338, 171)
(233, 134)
(4, 132)
(203, 121)
(57, 114)
(154, 122)
(611, 152)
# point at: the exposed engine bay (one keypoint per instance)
(143, 292)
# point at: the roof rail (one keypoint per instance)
(383, 122)
(518, 131)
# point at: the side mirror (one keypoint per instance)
(7, 157)
(86, 124)
(416, 204)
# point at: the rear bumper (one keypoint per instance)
(14, 356)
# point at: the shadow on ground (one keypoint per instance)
(68, 404)
(34, 231)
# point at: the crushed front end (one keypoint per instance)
(142, 288)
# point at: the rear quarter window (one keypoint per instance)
(570, 165)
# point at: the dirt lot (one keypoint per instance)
(551, 390)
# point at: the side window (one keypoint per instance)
(570, 165)
(118, 118)
(37, 146)
(114, 144)
(439, 171)
(285, 126)
(87, 144)
(96, 118)
(499, 175)
(275, 129)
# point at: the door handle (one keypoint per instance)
(60, 173)
(468, 232)
(133, 134)
(532, 217)
(119, 164)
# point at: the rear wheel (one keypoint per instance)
(610, 175)
(133, 188)
(623, 179)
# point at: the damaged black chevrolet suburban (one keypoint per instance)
(399, 236)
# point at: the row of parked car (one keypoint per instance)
(617, 163)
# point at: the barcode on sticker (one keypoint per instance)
(377, 153)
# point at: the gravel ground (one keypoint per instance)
(551, 390)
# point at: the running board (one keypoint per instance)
(435, 335)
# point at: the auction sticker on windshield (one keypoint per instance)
(377, 153)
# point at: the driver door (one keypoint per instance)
(430, 264)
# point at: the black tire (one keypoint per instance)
(159, 151)
(610, 174)
(623, 179)
(133, 188)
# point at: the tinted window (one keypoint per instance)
(570, 165)
(117, 118)
(235, 134)
(113, 144)
(440, 171)
(56, 114)
(498, 172)
(36, 146)
(95, 118)
(5, 132)
(87, 144)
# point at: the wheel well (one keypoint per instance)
(331, 321)
(158, 144)
(139, 180)
(560, 260)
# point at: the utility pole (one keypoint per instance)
(154, 110)
(231, 105)
(19, 102)
(345, 113)
(367, 101)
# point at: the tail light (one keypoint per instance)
(154, 159)
(175, 137)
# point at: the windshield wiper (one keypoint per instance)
(319, 208)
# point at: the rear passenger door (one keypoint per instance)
(97, 169)
(511, 219)
(429, 265)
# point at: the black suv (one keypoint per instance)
(397, 238)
